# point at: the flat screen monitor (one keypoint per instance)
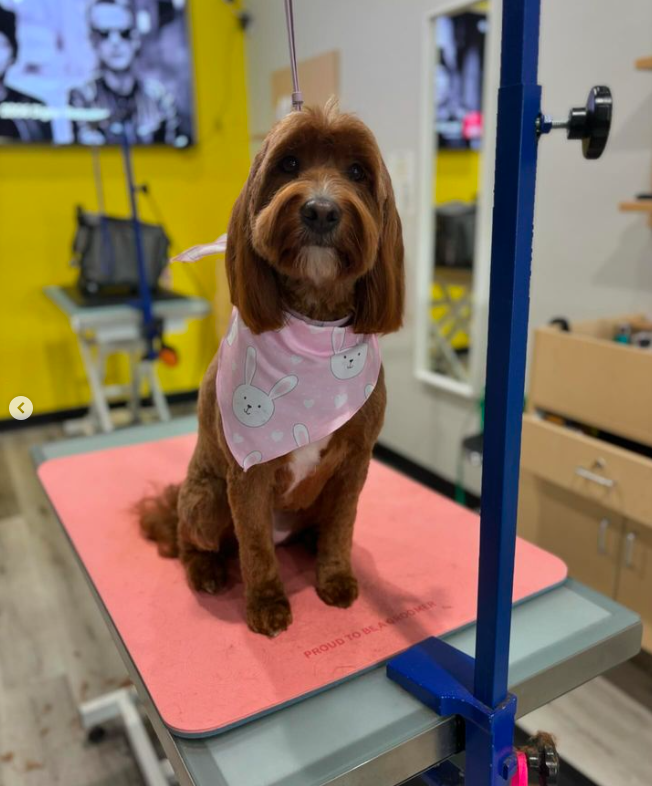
(91, 72)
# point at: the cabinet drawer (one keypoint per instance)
(613, 477)
(635, 575)
(587, 377)
(584, 534)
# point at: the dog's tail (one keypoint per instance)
(158, 519)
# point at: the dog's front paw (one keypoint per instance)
(340, 589)
(269, 616)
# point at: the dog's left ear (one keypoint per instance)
(380, 293)
(253, 285)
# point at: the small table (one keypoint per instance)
(368, 730)
(113, 327)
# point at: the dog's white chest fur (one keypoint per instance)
(303, 462)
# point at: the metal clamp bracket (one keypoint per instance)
(442, 678)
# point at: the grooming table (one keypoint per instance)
(366, 729)
(103, 329)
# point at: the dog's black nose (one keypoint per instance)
(321, 215)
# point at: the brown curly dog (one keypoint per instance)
(315, 230)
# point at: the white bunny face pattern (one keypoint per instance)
(251, 405)
(347, 363)
(281, 390)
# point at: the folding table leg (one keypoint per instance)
(94, 373)
(160, 402)
(121, 705)
(134, 369)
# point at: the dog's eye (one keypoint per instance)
(290, 164)
(356, 173)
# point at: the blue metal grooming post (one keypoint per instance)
(150, 330)
(440, 676)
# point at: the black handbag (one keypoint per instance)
(105, 252)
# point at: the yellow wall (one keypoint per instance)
(456, 176)
(195, 189)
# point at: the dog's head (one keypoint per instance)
(318, 206)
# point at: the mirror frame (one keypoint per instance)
(426, 157)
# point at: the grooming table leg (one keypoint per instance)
(94, 372)
(121, 704)
(134, 401)
(160, 402)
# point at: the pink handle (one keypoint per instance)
(520, 776)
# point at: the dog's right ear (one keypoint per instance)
(254, 288)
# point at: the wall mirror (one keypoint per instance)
(455, 210)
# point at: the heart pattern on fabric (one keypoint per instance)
(308, 402)
(277, 436)
(340, 400)
(296, 359)
(238, 438)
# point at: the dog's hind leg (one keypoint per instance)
(205, 527)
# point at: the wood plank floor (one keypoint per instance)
(601, 731)
(55, 652)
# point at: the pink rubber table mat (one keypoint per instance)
(415, 556)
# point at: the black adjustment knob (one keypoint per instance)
(590, 123)
(542, 759)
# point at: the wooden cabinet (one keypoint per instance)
(616, 478)
(586, 535)
(634, 584)
(582, 497)
(584, 375)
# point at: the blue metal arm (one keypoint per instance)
(150, 330)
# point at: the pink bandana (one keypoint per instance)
(286, 388)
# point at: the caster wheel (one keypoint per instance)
(96, 735)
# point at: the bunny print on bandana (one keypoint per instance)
(282, 390)
(347, 363)
(251, 405)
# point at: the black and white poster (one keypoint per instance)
(90, 71)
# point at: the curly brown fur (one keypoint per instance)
(158, 519)
(276, 262)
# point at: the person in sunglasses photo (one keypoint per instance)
(20, 118)
(146, 107)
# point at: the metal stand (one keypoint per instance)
(442, 677)
(151, 333)
(122, 705)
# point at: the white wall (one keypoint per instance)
(589, 259)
